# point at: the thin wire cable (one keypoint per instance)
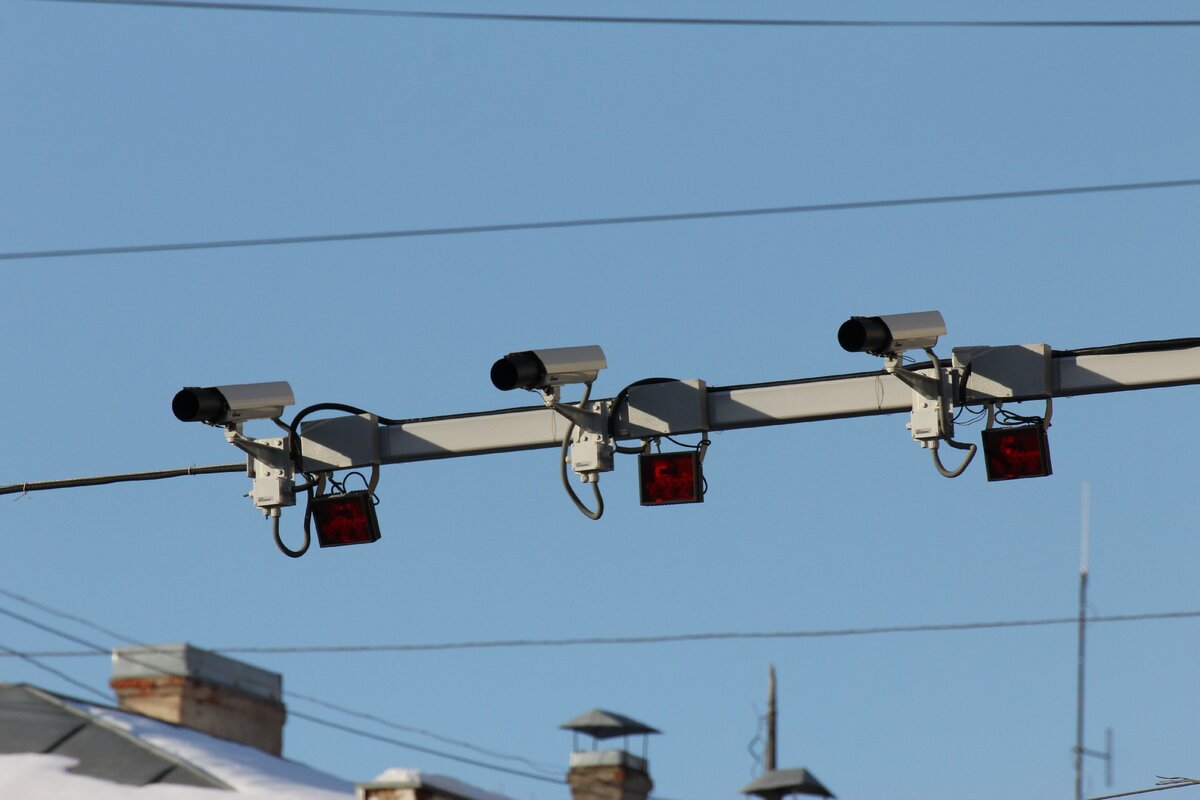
(613, 20)
(548, 769)
(70, 483)
(72, 617)
(708, 636)
(661, 638)
(95, 649)
(1178, 785)
(655, 639)
(47, 668)
(596, 221)
(420, 748)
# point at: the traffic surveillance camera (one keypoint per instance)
(219, 405)
(544, 369)
(892, 334)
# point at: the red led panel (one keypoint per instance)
(345, 518)
(1016, 453)
(667, 478)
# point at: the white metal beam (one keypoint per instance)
(1123, 368)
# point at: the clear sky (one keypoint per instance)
(129, 126)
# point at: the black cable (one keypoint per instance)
(283, 548)
(699, 637)
(421, 748)
(1155, 346)
(696, 446)
(704, 21)
(422, 732)
(641, 640)
(51, 670)
(69, 483)
(1162, 787)
(97, 649)
(596, 221)
(73, 618)
(562, 466)
(296, 452)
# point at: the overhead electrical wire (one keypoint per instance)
(71, 617)
(713, 636)
(1162, 786)
(479, 16)
(5, 649)
(678, 638)
(459, 230)
(432, 735)
(421, 749)
(96, 649)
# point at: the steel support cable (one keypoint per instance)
(100, 480)
(218, 5)
(598, 221)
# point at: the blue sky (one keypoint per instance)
(137, 126)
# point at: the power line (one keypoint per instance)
(1163, 785)
(73, 618)
(421, 749)
(47, 668)
(827, 633)
(709, 636)
(410, 729)
(593, 221)
(97, 650)
(625, 20)
(71, 483)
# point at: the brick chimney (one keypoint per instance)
(198, 689)
(608, 774)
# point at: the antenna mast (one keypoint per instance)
(1085, 524)
(769, 755)
(1080, 750)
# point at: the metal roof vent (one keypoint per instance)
(778, 783)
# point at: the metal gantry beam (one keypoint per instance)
(686, 407)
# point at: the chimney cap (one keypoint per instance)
(780, 782)
(188, 661)
(601, 724)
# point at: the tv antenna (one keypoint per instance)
(1080, 751)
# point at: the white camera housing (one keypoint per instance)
(891, 334)
(221, 405)
(547, 368)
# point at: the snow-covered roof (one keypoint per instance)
(82, 750)
(245, 769)
(414, 778)
(249, 773)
